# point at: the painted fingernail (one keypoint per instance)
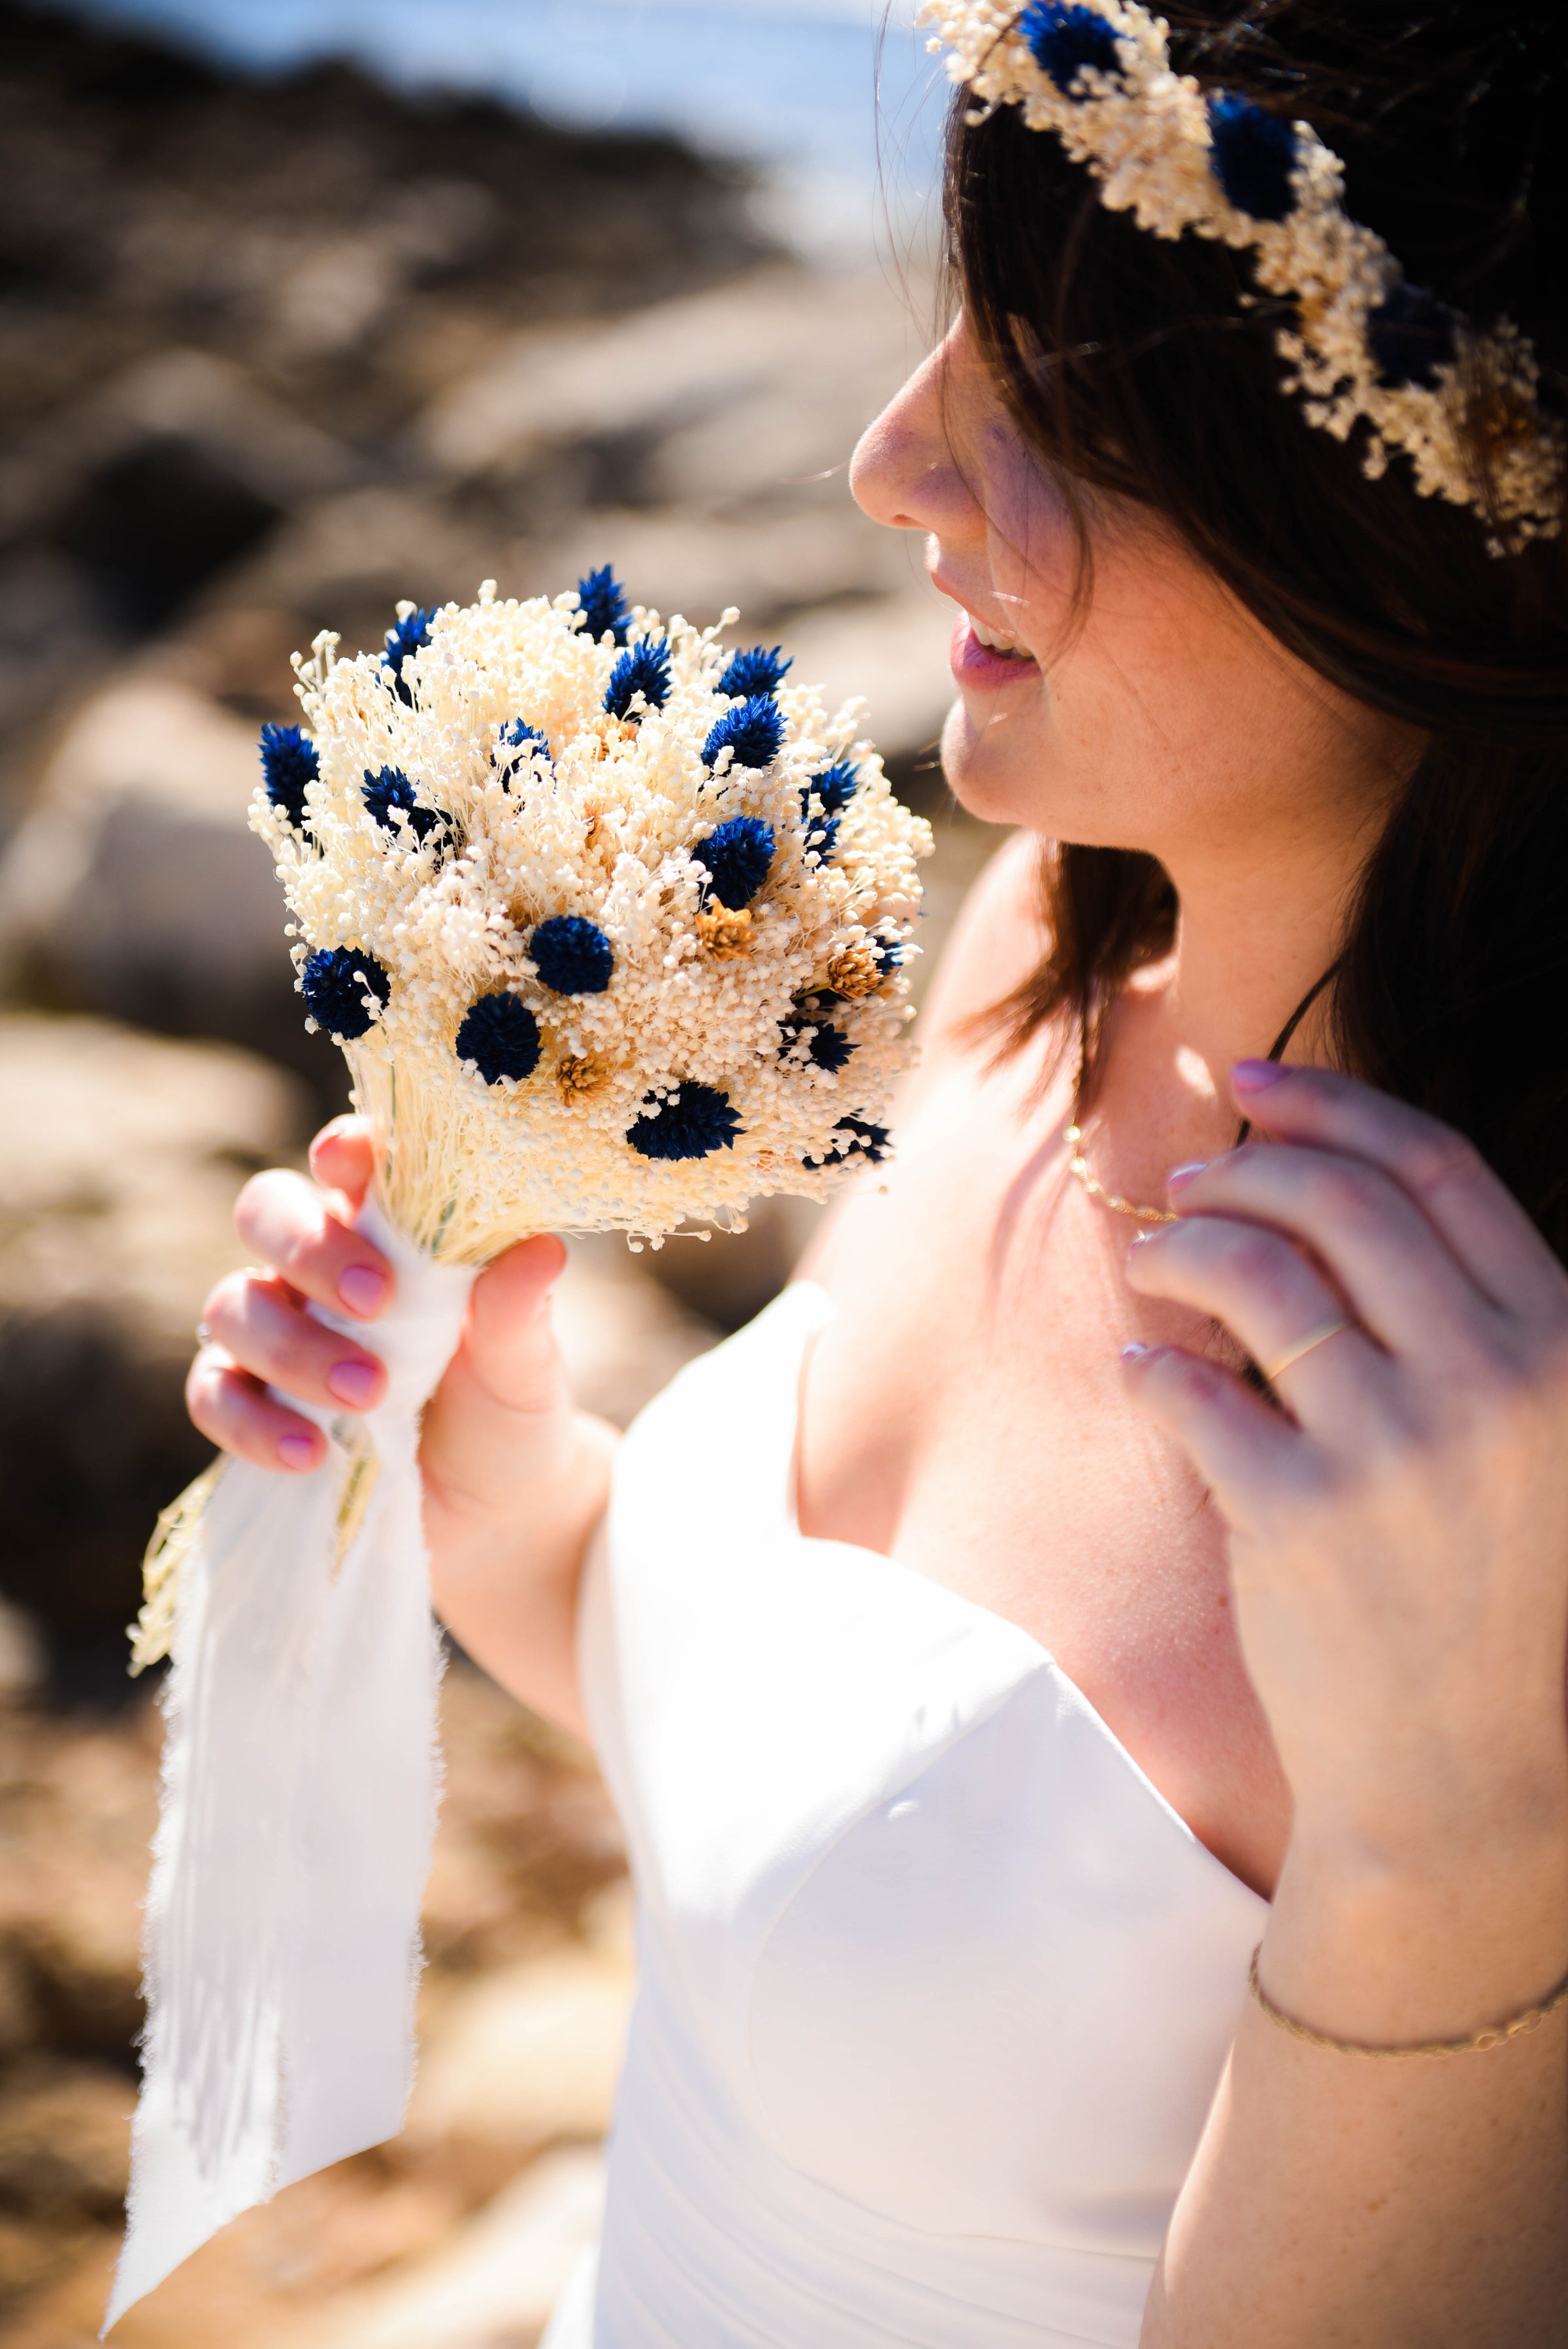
(352, 1382)
(1134, 1353)
(362, 1289)
(1252, 1076)
(297, 1450)
(1179, 1174)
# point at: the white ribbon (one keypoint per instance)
(300, 1783)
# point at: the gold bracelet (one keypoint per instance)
(1491, 2034)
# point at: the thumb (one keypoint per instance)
(510, 1345)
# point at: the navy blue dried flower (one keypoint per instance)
(500, 1035)
(1253, 153)
(344, 989)
(752, 733)
(385, 794)
(889, 953)
(694, 1124)
(836, 785)
(738, 857)
(1413, 334)
(403, 639)
(853, 1137)
(601, 600)
(757, 671)
(1062, 38)
(571, 956)
(529, 741)
(828, 1047)
(645, 669)
(288, 763)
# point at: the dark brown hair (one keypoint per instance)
(1136, 366)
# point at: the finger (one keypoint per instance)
(1477, 1215)
(1261, 1288)
(1252, 1458)
(343, 1158)
(289, 1223)
(506, 1379)
(261, 1325)
(237, 1414)
(1399, 1275)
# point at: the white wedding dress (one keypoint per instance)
(935, 1987)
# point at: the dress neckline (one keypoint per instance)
(820, 1312)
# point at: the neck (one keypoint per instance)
(1253, 940)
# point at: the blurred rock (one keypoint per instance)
(158, 480)
(491, 2286)
(622, 1334)
(135, 888)
(120, 1160)
(720, 394)
(530, 2052)
(65, 2142)
(733, 1275)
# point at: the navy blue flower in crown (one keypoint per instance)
(529, 742)
(406, 638)
(571, 955)
(500, 1035)
(752, 733)
(1062, 38)
(738, 857)
(694, 1122)
(601, 600)
(853, 1137)
(1413, 334)
(288, 763)
(827, 1046)
(754, 672)
(344, 989)
(889, 954)
(645, 669)
(385, 794)
(1253, 154)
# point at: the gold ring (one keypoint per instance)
(1318, 1337)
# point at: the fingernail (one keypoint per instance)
(1179, 1174)
(362, 1289)
(1134, 1353)
(297, 1450)
(1252, 1076)
(352, 1382)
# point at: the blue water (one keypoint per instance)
(841, 110)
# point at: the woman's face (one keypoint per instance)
(1157, 714)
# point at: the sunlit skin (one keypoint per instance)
(1333, 1633)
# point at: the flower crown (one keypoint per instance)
(1366, 347)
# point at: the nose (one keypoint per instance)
(904, 472)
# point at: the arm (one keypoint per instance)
(515, 1478)
(1400, 1562)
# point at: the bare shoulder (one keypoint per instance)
(996, 941)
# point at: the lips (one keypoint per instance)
(982, 665)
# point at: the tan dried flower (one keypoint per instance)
(726, 934)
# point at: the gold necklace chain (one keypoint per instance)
(1078, 1164)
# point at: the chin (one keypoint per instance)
(997, 778)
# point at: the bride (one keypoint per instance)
(1139, 1538)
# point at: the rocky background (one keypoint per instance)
(272, 357)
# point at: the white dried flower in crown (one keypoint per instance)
(1367, 347)
(572, 889)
